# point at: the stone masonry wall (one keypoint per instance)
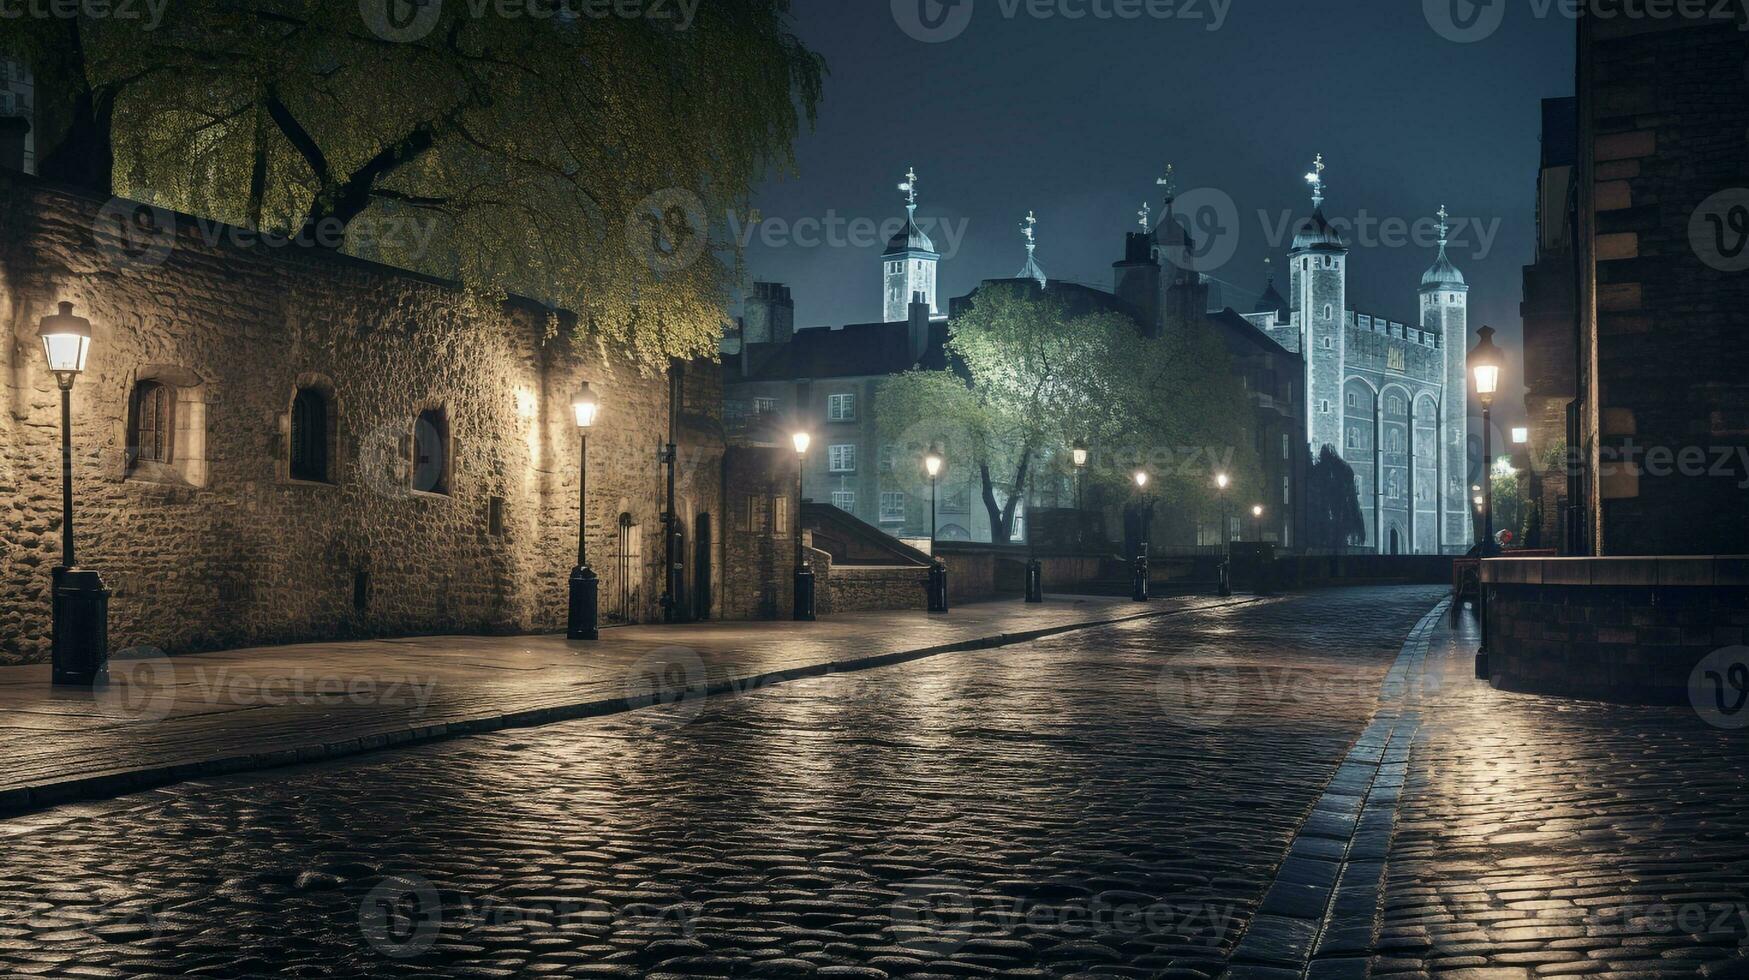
(227, 550)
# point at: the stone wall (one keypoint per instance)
(1619, 629)
(222, 548)
(759, 487)
(861, 588)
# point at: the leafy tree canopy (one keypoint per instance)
(574, 157)
(1036, 371)
(1333, 517)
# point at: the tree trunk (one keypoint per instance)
(75, 123)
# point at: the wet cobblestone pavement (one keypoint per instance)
(1111, 802)
(1547, 838)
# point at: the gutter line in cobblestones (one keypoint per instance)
(112, 784)
(1319, 919)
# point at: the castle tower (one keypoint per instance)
(1183, 291)
(1136, 280)
(1445, 313)
(908, 265)
(1318, 291)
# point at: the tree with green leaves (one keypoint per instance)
(1334, 520)
(1034, 372)
(568, 156)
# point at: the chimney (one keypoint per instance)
(919, 323)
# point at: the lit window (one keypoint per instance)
(841, 459)
(1284, 447)
(844, 500)
(764, 406)
(841, 408)
(892, 507)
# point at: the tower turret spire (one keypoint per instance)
(1031, 270)
(1316, 179)
(909, 186)
(1169, 181)
(1144, 217)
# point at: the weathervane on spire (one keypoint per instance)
(1444, 227)
(1268, 271)
(1170, 182)
(1316, 179)
(1031, 270)
(1145, 216)
(910, 188)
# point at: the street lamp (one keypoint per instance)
(1257, 522)
(1484, 361)
(932, 464)
(1035, 570)
(585, 585)
(1140, 579)
(1225, 587)
(1078, 452)
(79, 608)
(804, 590)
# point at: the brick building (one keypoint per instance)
(1663, 225)
(278, 445)
(1549, 310)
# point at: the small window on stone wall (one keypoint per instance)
(166, 427)
(309, 437)
(152, 429)
(431, 455)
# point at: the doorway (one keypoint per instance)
(701, 568)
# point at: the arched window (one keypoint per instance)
(431, 469)
(151, 423)
(309, 436)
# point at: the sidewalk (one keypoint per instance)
(167, 719)
(1548, 837)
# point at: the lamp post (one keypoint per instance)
(1484, 361)
(1139, 584)
(804, 591)
(1226, 584)
(79, 609)
(1035, 570)
(585, 585)
(932, 464)
(1078, 452)
(1257, 522)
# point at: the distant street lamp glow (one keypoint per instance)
(581, 621)
(802, 608)
(801, 441)
(932, 465)
(586, 405)
(1520, 435)
(1079, 452)
(1142, 478)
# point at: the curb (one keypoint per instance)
(23, 799)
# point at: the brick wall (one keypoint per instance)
(224, 550)
(1620, 629)
(1664, 130)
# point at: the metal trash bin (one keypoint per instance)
(81, 627)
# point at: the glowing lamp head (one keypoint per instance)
(932, 463)
(66, 342)
(1079, 452)
(1257, 511)
(586, 405)
(802, 440)
(1142, 479)
(1520, 435)
(1221, 480)
(1485, 363)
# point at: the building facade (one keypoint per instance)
(1390, 395)
(280, 445)
(1662, 237)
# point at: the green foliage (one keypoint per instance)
(1333, 517)
(1035, 374)
(576, 160)
(1509, 504)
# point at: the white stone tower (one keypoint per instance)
(1319, 293)
(908, 265)
(1445, 299)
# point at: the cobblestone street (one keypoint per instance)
(1116, 801)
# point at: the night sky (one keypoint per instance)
(1075, 119)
